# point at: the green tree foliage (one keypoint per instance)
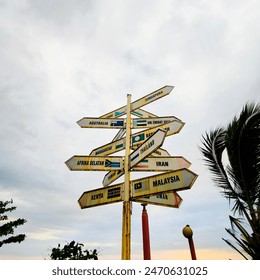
(7, 227)
(73, 251)
(239, 180)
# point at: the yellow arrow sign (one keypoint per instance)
(151, 122)
(150, 164)
(101, 123)
(170, 199)
(140, 102)
(170, 128)
(137, 139)
(162, 164)
(109, 148)
(140, 113)
(160, 153)
(111, 176)
(88, 163)
(101, 196)
(171, 181)
(144, 150)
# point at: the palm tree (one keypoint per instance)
(239, 181)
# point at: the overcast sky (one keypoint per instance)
(64, 60)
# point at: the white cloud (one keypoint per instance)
(62, 61)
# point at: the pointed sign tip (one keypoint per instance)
(67, 164)
(169, 87)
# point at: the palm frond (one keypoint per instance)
(243, 148)
(237, 222)
(212, 150)
(240, 179)
(232, 246)
(248, 242)
(247, 249)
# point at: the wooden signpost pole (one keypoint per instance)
(126, 222)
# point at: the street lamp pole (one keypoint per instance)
(187, 232)
(146, 236)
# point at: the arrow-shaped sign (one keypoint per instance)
(170, 199)
(119, 134)
(151, 122)
(144, 150)
(101, 196)
(156, 164)
(140, 113)
(162, 164)
(88, 163)
(111, 176)
(109, 148)
(137, 139)
(101, 123)
(160, 153)
(171, 181)
(141, 189)
(140, 102)
(170, 128)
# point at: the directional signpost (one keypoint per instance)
(160, 153)
(178, 180)
(140, 103)
(101, 196)
(85, 163)
(161, 164)
(152, 122)
(136, 139)
(101, 123)
(111, 176)
(147, 155)
(153, 164)
(144, 150)
(169, 199)
(109, 148)
(170, 128)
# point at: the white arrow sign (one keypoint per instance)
(171, 181)
(88, 163)
(137, 139)
(156, 164)
(170, 199)
(111, 176)
(150, 145)
(140, 113)
(140, 102)
(101, 123)
(120, 134)
(162, 164)
(160, 153)
(170, 128)
(152, 122)
(101, 196)
(109, 148)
